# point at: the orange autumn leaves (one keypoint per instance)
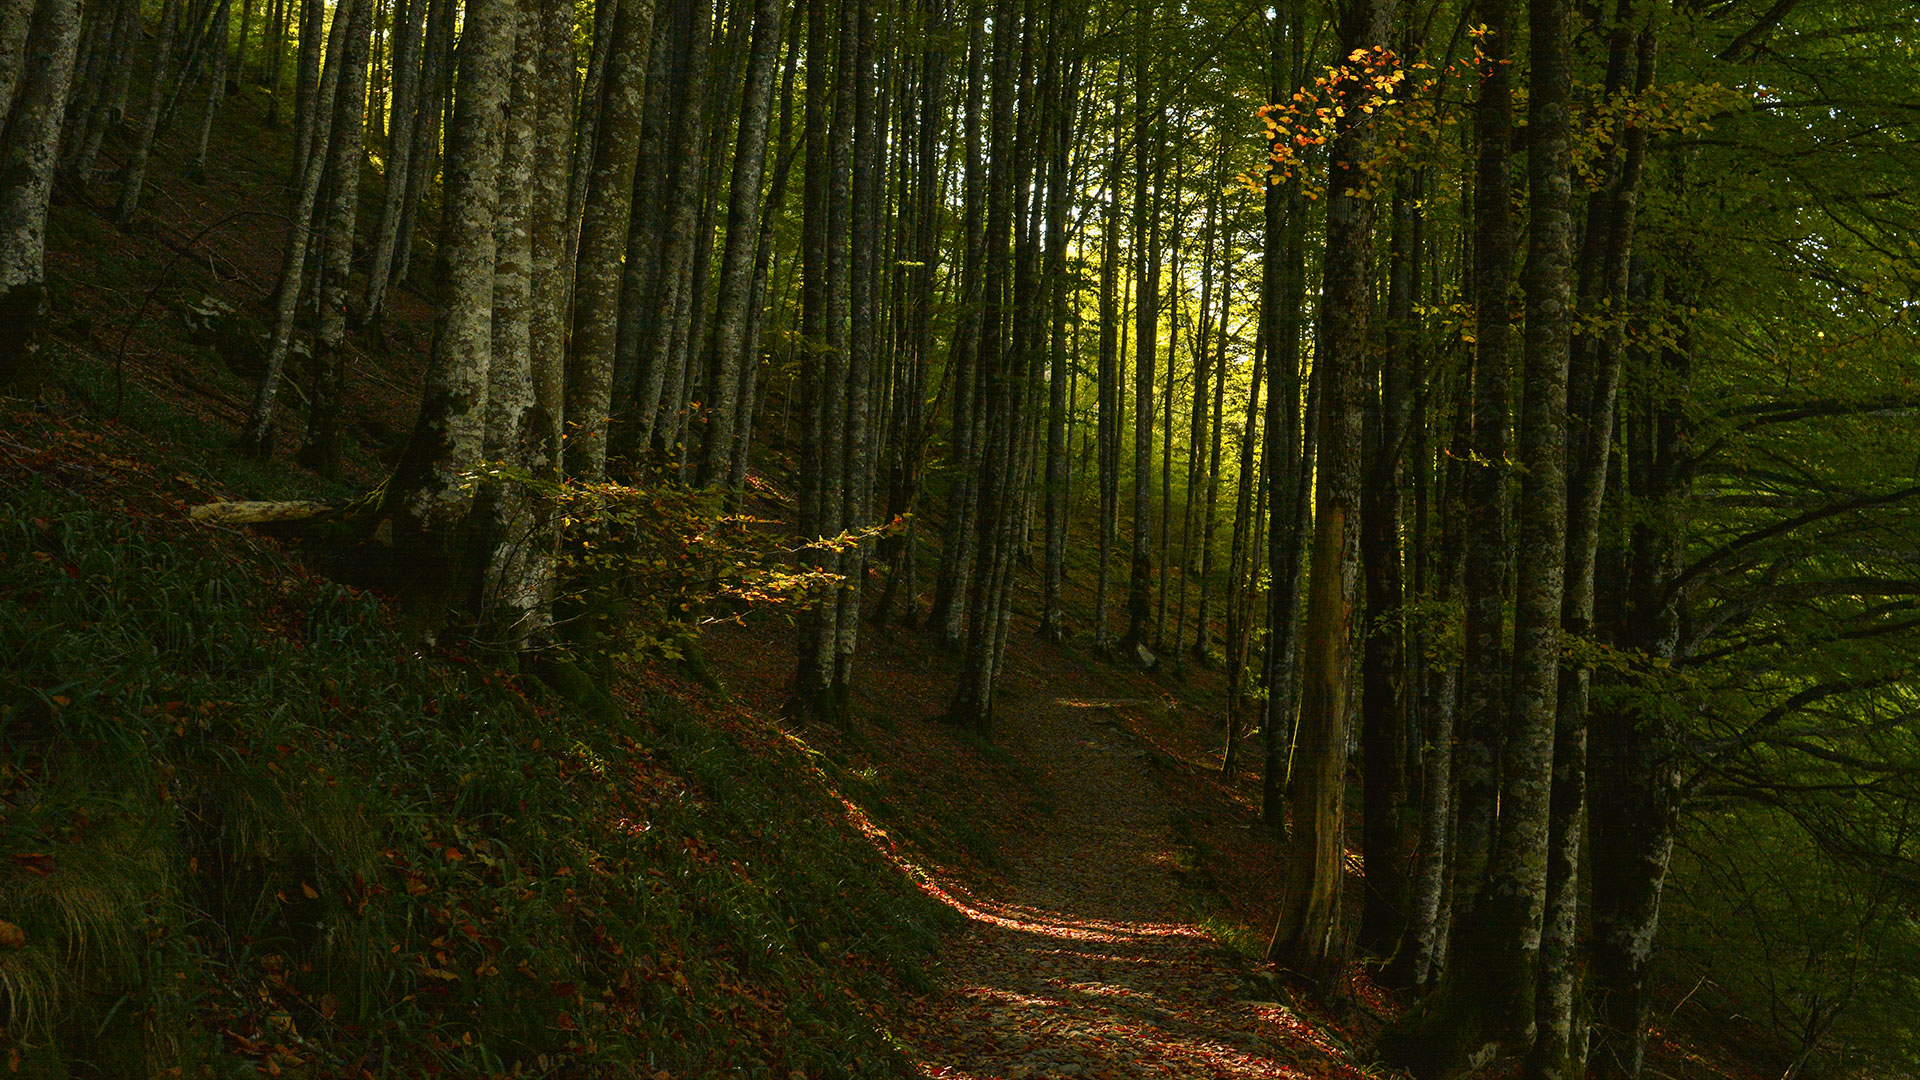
(1370, 80)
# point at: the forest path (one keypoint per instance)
(1086, 962)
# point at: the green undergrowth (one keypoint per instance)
(246, 827)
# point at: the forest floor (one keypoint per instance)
(1086, 960)
(1115, 928)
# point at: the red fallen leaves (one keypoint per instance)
(38, 863)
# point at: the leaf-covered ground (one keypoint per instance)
(1085, 947)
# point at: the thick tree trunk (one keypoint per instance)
(29, 155)
(510, 595)
(1309, 938)
(430, 496)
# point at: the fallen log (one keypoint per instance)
(266, 513)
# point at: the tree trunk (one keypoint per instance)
(1108, 378)
(1391, 833)
(344, 154)
(1636, 765)
(1059, 369)
(216, 86)
(430, 95)
(135, 177)
(732, 352)
(1146, 268)
(1309, 938)
(407, 39)
(603, 242)
(256, 437)
(951, 584)
(1516, 890)
(430, 496)
(306, 84)
(29, 155)
(1488, 540)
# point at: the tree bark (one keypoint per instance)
(431, 495)
(603, 242)
(407, 41)
(1309, 939)
(135, 177)
(1146, 267)
(732, 352)
(256, 437)
(1390, 835)
(29, 156)
(344, 154)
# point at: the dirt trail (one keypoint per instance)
(1086, 963)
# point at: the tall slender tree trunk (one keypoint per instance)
(407, 36)
(216, 86)
(1146, 263)
(1108, 377)
(1290, 442)
(1059, 367)
(1559, 1051)
(306, 83)
(732, 352)
(1210, 515)
(345, 152)
(951, 584)
(1390, 835)
(1488, 540)
(1515, 898)
(257, 436)
(605, 219)
(135, 175)
(1636, 762)
(437, 52)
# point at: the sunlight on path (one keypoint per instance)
(1087, 966)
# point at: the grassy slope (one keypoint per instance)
(247, 821)
(248, 825)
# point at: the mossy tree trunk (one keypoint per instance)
(29, 156)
